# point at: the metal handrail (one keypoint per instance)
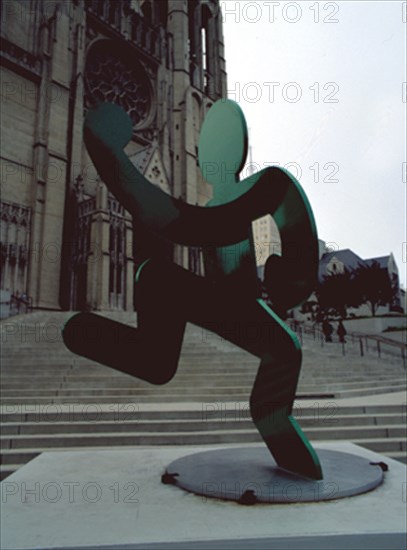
(377, 342)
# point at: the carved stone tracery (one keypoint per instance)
(117, 253)
(14, 245)
(115, 78)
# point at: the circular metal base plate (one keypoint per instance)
(250, 474)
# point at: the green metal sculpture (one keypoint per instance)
(228, 295)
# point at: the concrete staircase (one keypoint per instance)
(55, 400)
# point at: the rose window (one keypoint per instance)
(112, 78)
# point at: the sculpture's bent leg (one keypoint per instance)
(166, 296)
(250, 324)
(271, 403)
(149, 352)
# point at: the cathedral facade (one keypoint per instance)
(66, 243)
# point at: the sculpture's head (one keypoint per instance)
(223, 144)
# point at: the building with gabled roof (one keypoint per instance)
(337, 261)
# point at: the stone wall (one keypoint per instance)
(374, 325)
(46, 49)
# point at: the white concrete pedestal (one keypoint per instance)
(115, 499)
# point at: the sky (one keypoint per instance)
(322, 86)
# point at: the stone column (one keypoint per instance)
(178, 26)
(50, 160)
(129, 266)
(221, 88)
(99, 258)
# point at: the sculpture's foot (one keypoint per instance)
(288, 445)
(140, 352)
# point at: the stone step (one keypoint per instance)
(189, 437)
(120, 387)
(141, 438)
(15, 350)
(177, 384)
(75, 374)
(201, 361)
(48, 368)
(185, 397)
(216, 367)
(21, 456)
(203, 357)
(190, 347)
(373, 390)
(210, 387)
(40, 334)
(8, 469)
(185, 393)
(202, 424)
(73, 382)
(195, 349)
(401, 456)
(382, 445)
(211, 410)
(192, 395)
(120, 381)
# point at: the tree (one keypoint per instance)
(374, 285)
(336, 293)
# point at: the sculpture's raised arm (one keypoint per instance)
(107, 132)
(271, 191)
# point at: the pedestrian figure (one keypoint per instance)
(341, 331)
(327, 329)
